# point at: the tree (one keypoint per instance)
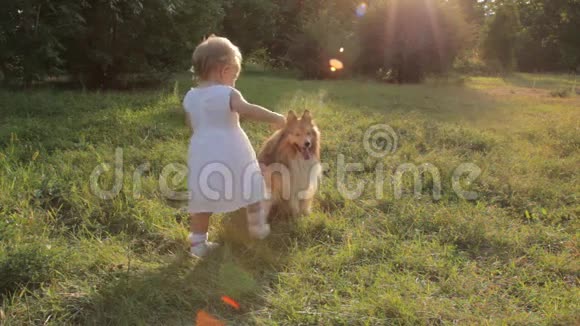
(549, 38)
(568, 28)
(323, 29)
(411, 38)
(502, 35)
(138, 36)
(473, 10)
(31, 33)
(251, 23)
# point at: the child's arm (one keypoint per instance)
(188, 122)
(187, 116)
(255, 112)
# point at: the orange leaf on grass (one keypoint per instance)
(205, 319)
(230, 302)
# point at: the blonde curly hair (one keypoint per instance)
(213, 53)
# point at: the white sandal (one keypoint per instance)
(201, 249)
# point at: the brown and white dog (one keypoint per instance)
(291, 157)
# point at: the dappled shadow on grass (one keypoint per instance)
(50, 104)
(542, 81)
(51, 120)
(441, 102)
(180, 286)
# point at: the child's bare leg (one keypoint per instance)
(257, 221)
(198, 227)
(199, 222)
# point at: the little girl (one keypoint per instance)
(224, 174)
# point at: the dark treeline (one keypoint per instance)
(98, 42)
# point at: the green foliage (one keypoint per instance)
(550, 35)
(324, 29)
(311, 49)
(138, 37)
(251, 23)
(98, 41)
(31, 38)
(117, 44)
(471, 63)
(411, 39)
(474, 10)
(402, 39)
(25, 266)
(501, 37)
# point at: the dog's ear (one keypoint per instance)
(306, 116)
(291, 118)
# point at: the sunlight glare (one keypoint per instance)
(336, 64)
(361, 9)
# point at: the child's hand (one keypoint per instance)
(279, 124)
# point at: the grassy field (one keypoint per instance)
(509, 257)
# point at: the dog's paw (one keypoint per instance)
(259, 231)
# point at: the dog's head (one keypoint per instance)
(302, 134)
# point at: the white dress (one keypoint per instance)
(224, 173)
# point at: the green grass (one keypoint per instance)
(510, 257)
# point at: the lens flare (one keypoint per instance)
(230, 302)
(361, 9)
(332, 69)
(336, 64)
(205, 319)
